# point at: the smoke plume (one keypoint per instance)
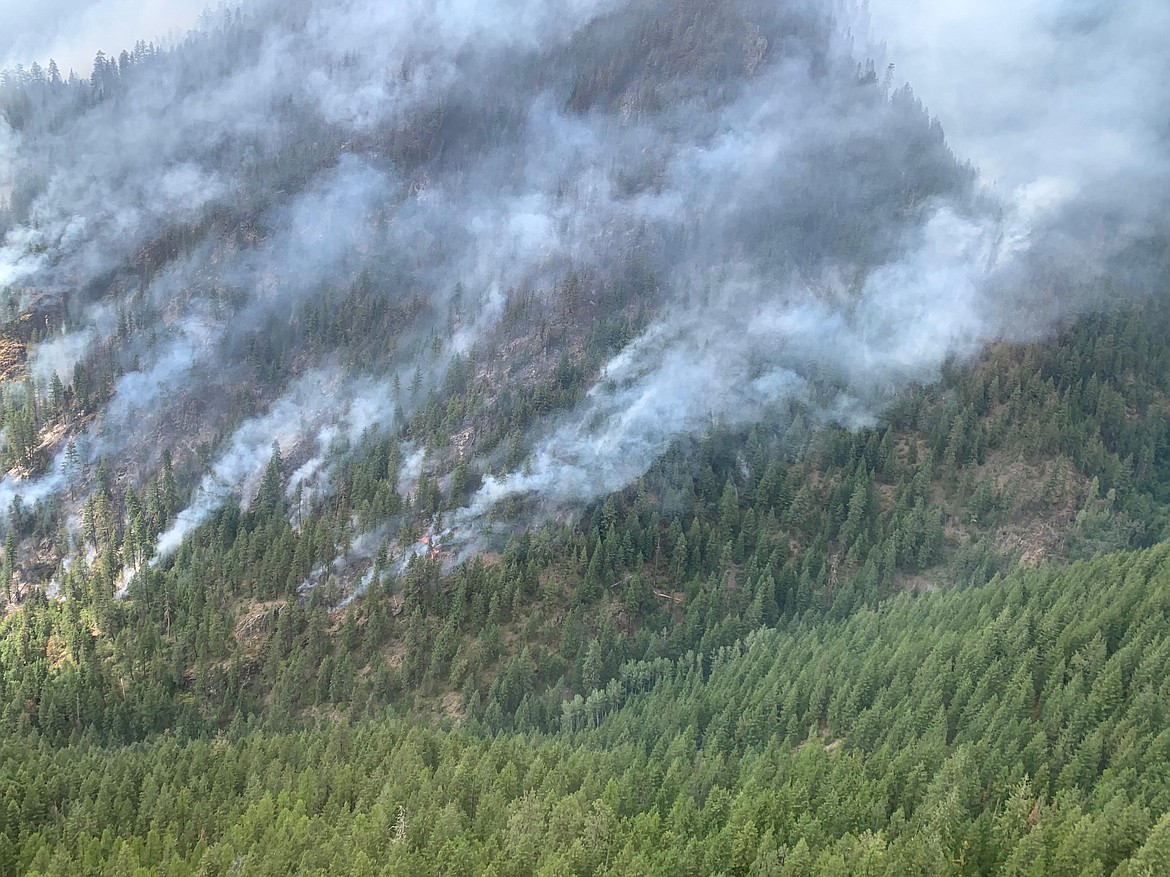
(347, 194)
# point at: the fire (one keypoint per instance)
(430, 546)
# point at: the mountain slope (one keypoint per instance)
(541, 245)
(998, 465)
(580, 436)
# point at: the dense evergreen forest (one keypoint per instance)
(1023, 457)
(741, 686)
(1014, 728)
(530, 447)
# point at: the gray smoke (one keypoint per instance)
(812, 239)
(1040, 90)
(1056, 102)
(1062, 110)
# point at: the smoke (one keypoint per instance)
(750, 348)
(58, 355)
(814, 243)
(1061, 110)
(1052, 96)
(8, 151)
(71, 33)
(410, 470)
(1041, 88)
(28, 492)
(362, 551)
(427, 48)
(82, 226)
(137, 394)
(314, 413)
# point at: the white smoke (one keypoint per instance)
(318, 408)
(812, 240)
(71, 33)
(747, 345)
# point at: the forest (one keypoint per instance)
(1014, 728)
(830, 659)
(622, 438)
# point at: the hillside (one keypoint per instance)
(994, 467)
(584, 437)
(507, 258)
